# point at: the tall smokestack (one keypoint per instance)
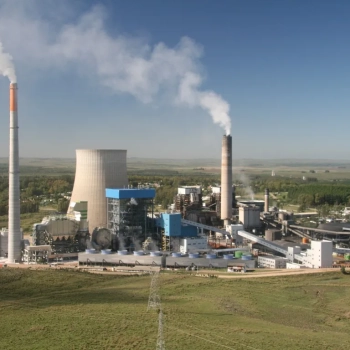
(267, 198)
(226, 179)
(14, 224)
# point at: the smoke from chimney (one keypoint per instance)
(226, 179)
(7, 67)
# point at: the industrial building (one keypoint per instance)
(272, 262)
(130, 214)
(250, 217)
(62, 234)
(156, 258)
(188, 198)
(95, 171)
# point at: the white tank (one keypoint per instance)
(95, 171)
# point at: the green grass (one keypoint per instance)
(75, 310)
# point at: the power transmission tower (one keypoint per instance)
(154, 298)
(160, 338)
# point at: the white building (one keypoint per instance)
(272, 262)
(319, 256)
(189, 245)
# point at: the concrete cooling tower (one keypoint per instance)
(95, 171)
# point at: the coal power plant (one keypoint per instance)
(110, 222)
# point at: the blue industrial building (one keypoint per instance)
(129, 211)
(171, 223)
(125, 193)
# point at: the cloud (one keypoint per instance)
(121, 63)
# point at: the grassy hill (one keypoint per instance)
(77, 310)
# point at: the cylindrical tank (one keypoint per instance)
(90, 251)
(238, 254)
(156, 253)
(193, 255)
(211, 256)
(305, 240)
(176, 255)
(228, 256)
(122, 252)
(139, 252)
(95, 171)
(106, 251)
(247, 257)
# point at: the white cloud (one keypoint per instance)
(121, 63)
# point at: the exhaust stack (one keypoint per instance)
(226, 179)
(267, 199)
(14, 224)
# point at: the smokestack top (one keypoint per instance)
(13, 97)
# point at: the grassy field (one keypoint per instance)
(76, 310)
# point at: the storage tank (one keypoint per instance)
(211, 256)
(90, 251)
(228, 256)
(238, 254)
(156, 253)
(122, 252)
(139, 252)
(305, 240)
(247, 257)
(176, 255)
(193, 255)
(95, 171)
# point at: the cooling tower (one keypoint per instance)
(14, 223)
(95, 171)
(226, 179)
(267, 198)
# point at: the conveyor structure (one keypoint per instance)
(206, 227)
(263, 242)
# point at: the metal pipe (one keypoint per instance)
(14, 220)
(226, 179)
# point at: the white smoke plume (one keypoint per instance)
(248, 188)
(122, 63)
(7, 68)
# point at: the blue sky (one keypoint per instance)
(282, 66)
